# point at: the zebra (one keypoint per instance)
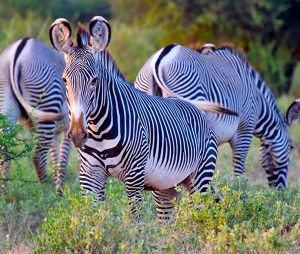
(149, 143)
(225, 76)
(31, 87)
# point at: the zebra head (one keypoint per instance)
(81, 71)
(293, 113)
(275, 152)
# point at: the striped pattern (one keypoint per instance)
(36, 71)
(224, 76)
(146, 142)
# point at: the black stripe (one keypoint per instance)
(17, 54)
(20, 48)
(165, 51)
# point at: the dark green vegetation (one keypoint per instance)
(268, 31)
(12, 145)
(252, 218)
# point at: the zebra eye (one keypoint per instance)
(94, 81)
(64, 80)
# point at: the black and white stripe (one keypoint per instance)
(31, 86)
(149, 143)
(224, 76)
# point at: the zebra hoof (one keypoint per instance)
(218, 199)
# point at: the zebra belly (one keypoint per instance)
(161, 178)
(224, 128)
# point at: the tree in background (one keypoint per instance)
(268, 31)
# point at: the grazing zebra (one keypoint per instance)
(146, 142)
(224, 76)
(31, 86)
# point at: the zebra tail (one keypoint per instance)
(211, 107)
(14, 77)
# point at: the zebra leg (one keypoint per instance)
(4, 169)
(61, 169)
(189, 185)
(201, 179)
(45, 135)
(240, 144)
(165, 202)
(54, 152)
(135, 183)
(135, 196)
(92, 180)
(275, 164)
(280, 175)
(265, 162)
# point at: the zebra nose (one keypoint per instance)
(78, 138)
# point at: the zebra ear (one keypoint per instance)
(293, 113)
(59, 34)
(207, 48)
(100, 33)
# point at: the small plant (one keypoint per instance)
(12, 146)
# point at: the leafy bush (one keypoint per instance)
(249, 219)
(12, 146)
(25, 203)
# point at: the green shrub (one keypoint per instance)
(12, 146)
(248, 220)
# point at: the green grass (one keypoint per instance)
(252, 218)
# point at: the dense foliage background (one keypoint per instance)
(252, 218)
(268, 31)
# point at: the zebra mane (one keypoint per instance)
(197, 46)
(241, 55)
(261, 85)
(83, 36)
(106, 58)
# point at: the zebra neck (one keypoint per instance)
(110, 102)
(270, 124)
(105, 59)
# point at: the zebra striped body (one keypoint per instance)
(225, 77)
(149, 143)
(30, 78)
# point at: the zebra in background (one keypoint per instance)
(224, 76)
(146, 142)
(31, 86)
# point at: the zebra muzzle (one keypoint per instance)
(78, 138)
(77, 133)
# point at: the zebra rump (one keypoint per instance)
(31, 87)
